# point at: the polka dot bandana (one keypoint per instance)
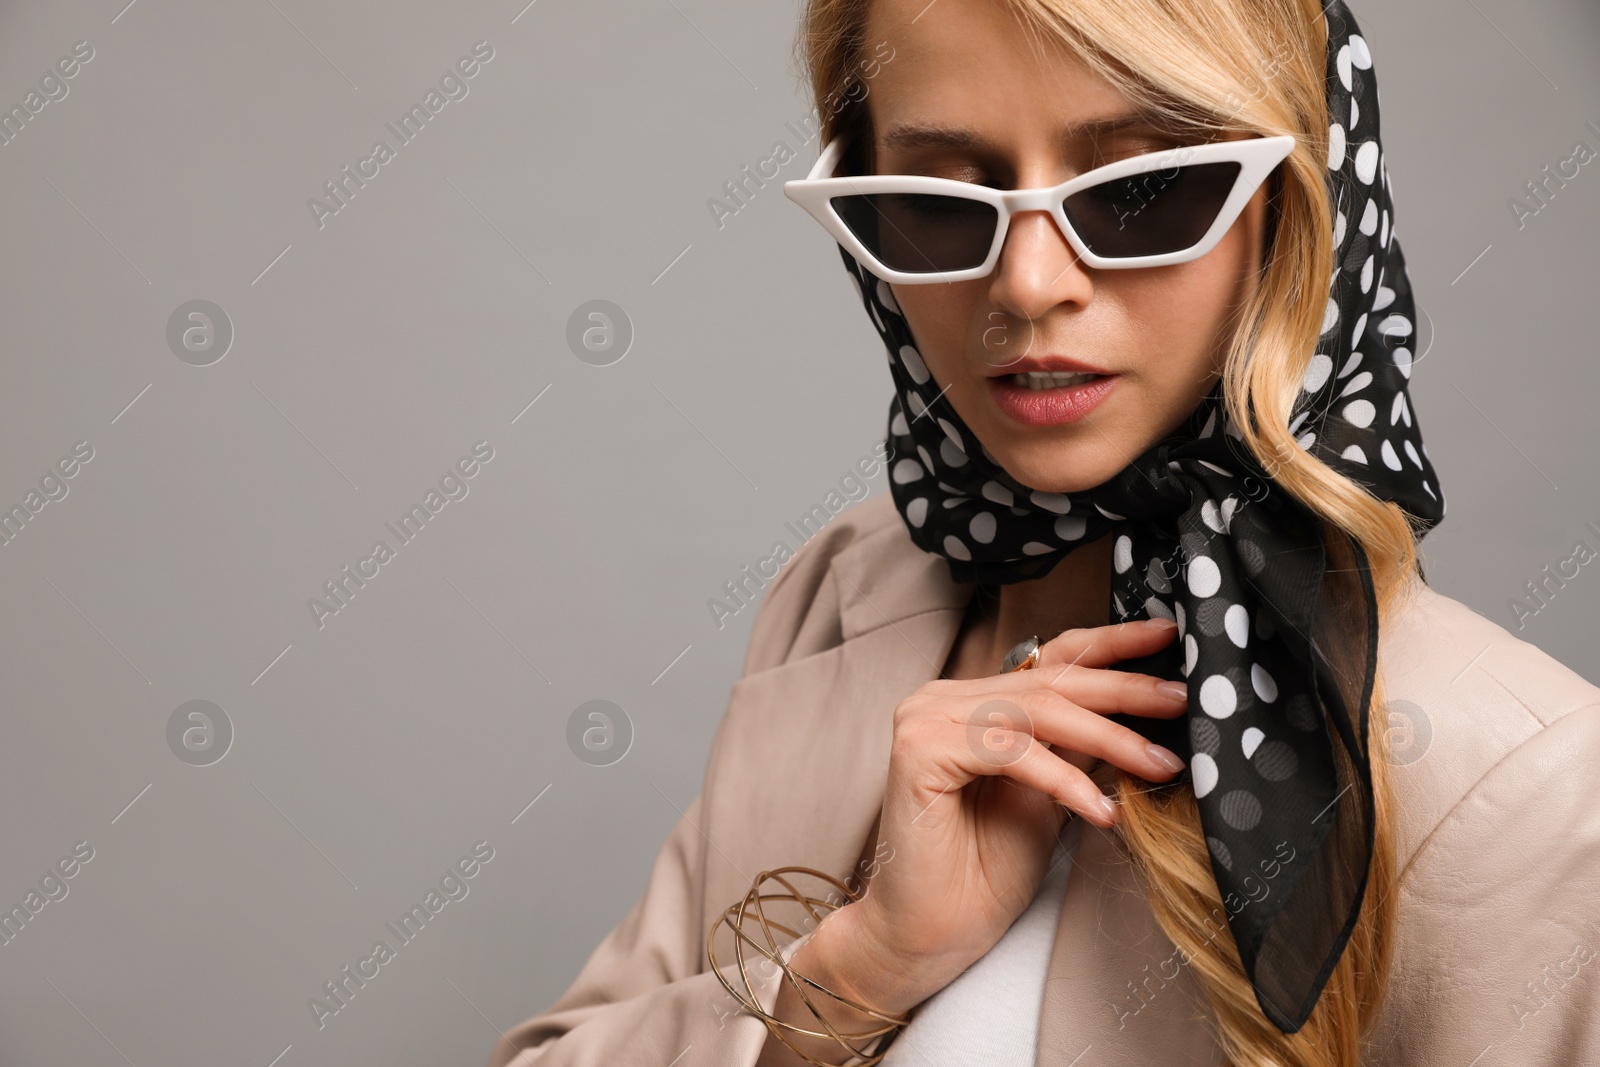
(1278, 627)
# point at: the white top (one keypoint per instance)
(989, 1013)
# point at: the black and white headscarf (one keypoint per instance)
(1277, 637)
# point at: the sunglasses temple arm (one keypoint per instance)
(828, 161)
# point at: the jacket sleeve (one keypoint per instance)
(642, 998)
(1498, 947)
(646, 995)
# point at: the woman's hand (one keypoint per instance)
(982, 773)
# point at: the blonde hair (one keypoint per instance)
(1257, 67)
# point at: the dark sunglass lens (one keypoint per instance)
(919, 233)
(1153, 213)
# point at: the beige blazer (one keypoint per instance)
(1497, 770)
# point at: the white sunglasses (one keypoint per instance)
(1150, 210)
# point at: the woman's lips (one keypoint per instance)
(1049, 407)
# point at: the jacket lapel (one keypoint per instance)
(829, 716)
(1117, 990)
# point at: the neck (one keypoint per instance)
(1076, 593)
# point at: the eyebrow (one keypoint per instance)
(908, 135)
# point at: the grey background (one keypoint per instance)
(369, 355)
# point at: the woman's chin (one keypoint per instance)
(1059, 470)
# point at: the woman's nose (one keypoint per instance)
(1038, 268)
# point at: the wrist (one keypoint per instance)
(843, 956)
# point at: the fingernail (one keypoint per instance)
(1175, 690)
(1162, 624)
(1108, 806)
(1165, 757)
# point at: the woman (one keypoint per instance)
(1158, 418)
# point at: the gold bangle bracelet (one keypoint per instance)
(734, 917)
